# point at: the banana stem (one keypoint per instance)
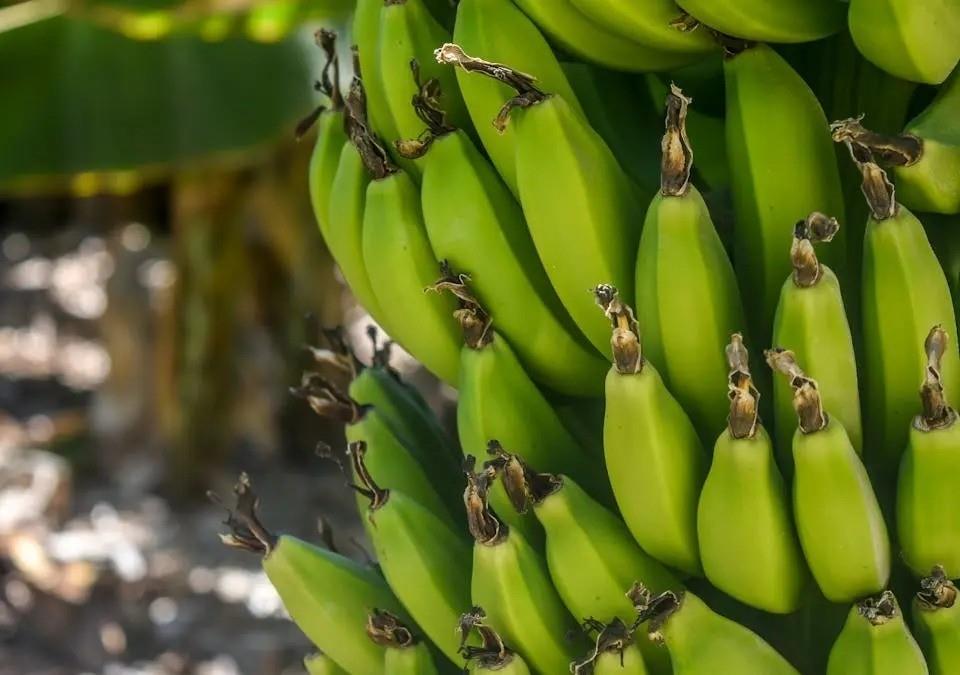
(677, 159)
(475, 322)
(613, 637)
(877, 188)
(328, 84)
(625, 342)
(492, 654)
(523, 485)
(386, 630)
(426, 104)
(937, 591)
(484, 525)
(937, 414)
(655, 609)
(528, 94)
(327, 400)
(806, 391)
(744, 396)
(374, 156)
(246, 530)
(878, 610)
(367, 486)
(889, 150)
(816, 228)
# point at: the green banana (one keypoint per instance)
(812, 320)
(658, 24)
(366, 37)
(490, 242)
(424, 560)
(321, 664)
(404, 653)
(589, 551)
(398, 256)
(936, 621)
(577, 201)
(917, 40)
(683, 271)
(492, 654)
(900, 270)
(512, 584)
(928, 520)
(747, 542)
(838, 518)
(770, 20)
(501, 32)
(572, 30)
(700, 641)
(654, 458)
(327, 595)
(615, 651)
(782, 167)
(875, 640)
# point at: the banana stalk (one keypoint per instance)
(404, 654)
(936, 620)
(615, 651)
(491, 654)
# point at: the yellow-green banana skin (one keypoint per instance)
(498, 31)
(592, 558)
(938, 632)
(838, 518)
(748, 546)
(647, 23)
(415, 660)
(511, 583)
(905, 293)
(917, 40)
(401, 265)
(812, 323)
(629, 662)
(344, 232)
(427, 564)
(516, 666)
(701, 642)
(366, 36)
(324, 161)
(328, 597)
(770, 20)
(656, 466)
(581, 209)
(928, 505)
(321, 664)
(783, 167)
(865, 649)
(933, 182)
(489, 241)
(683, 271)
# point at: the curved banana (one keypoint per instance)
(511, 583)
(812, 321)
(490, 243)
(770, 20)
(590, 553)
(658, 24)
(575, 32)
(404, 653)
(327, 595)
(491, 654)
(615, 651)
(654, 458)
(936, 622)
(575, 196)
(838, 518)
(875, 640)
(700, 641)
(900, 269)
(917, 40)
(321, 664)
(748, 545)
(782, 167)
(424, 560)
(683, 271)
(928, 520)
(366, 37)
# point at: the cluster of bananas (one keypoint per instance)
(527, 177)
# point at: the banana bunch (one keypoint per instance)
(509, 190)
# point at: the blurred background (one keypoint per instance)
(161, 274)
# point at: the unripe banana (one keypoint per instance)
(492, 654)
(683, 271)
(936, 621)
(404, 653)
(366, 37)
(838, 518)
(900, 270)
(928, 517)
(511, 583)
(812, 320)
(598, 215)
(658, 24)
(876, 641)
(769, 20)
(782, 168)
(615, 651)
(490, 243)
(918, 40)
(747, 542)
(423, 559)
(700, 641)
(576, 33)
(590, 553)
(327, 595)
(654, 458)
(321, 664)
